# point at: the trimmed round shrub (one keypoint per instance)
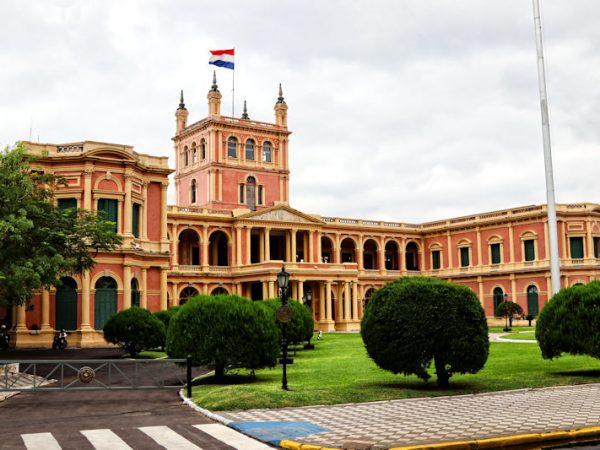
(165, 315)
(509, 310)
(223, 332)
(414, 321)
(570, 322)
(135, 329)
(301, 327)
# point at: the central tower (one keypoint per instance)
(231, 163)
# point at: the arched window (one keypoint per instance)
(250, 150)
(218, 249)
(370, 253)
(186, 294)
(194, 153)
(251, 193)
(219, 291)
(203, 149)
(391, 255)
(326, 250)
(266, 152)
(411, 256)
(193, 192)
(498, 295)
(533, 307)
(186, 160)
(135, 293)
(348, 251)
(232, 147)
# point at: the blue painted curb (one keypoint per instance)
(275, 432)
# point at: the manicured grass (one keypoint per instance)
(152, 354)
(527, 336)
(339, 371)
(514, 329)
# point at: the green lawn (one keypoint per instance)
(527, 335)
(515, 329)
(339, 371)
(152, 354)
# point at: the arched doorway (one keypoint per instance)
(189, 248)
(326, 250)
(135, 293)
(219, 249)
(105, 301)
(370, 261)
(391, 255)
(533, 306)
(348, 250)
(186, 294)
(412, 256)
(367, 298)
(66, 305)
(498, 295)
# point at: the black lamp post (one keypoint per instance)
(284, 314)
(308, 302)
(506, 312)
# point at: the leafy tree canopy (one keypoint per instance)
(39, 242)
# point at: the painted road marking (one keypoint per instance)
(231, 437)
(40, 441)
(168, 438)
(104, 439)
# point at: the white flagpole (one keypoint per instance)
(233, 87)
(552, 227)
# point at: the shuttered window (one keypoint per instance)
(109, 208)
(67, 203)
(464, 256)
(435, 259)
(576, 244)
(529, 246)
(495, 250)
(135, 220)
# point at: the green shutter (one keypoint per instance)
(109, 207)
(529, 250)
(435, 259)
(67, 203)
(66, 308)
(576, 247)
(495, 248)
(135, 220)
(464, 257)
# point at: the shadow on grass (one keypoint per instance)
(592, 373)
(232, 379)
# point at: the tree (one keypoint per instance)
(416, 320)
(135, 329)
(224, 331)
(39, 242)
(509, 310)
(570, 322)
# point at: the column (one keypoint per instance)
(355, 317)
(144, 288)
(267, 233)
(328, 301)
(300, 291)
(513, 288)
(238, 246)
(311, 237)
(347, 313)
(248, 233)
(403, 260)
(163, 212)
(204, 253)
(589, 254)
(339, 304)
(85, 301)
(175, 246)
(21, 318)
(126, 287)
(511, 244)
(174, 299)
(87, 188)
(293, 242)
(449, 241)
(480, 289)
(144, 224)
(563, 238)
(319, 250)
(288, 257)
(45, 310)
(128, 206)
(265, 288)
(479, 262)
(546, 241)
(294, 290)
(272, 293)
(261, 246)
(322, 316)
(359, 253)
(337, 252)
(549, 292)
(163, 289)
(381, 254)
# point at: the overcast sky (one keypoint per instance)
(401, 110)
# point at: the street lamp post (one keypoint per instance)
(308, 302)
(506, 312)
(284, 314)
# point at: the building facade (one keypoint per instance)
(232, 229)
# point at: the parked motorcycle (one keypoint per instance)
(4, 338)
(60, 340)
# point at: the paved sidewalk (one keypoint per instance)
(397, 423)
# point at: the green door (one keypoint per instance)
(66, 305)
(533, 307)
(105, 302)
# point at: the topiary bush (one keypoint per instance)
(570, 322)
(135, 329)
(222, 332)
(416, 320)
(301, 327)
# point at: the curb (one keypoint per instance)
(491, 443)
(206, 412)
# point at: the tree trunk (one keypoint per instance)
(440, 371)
(219, 371)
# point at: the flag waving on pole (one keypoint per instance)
(222, 58)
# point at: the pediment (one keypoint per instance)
(281, 213)
(111, 153)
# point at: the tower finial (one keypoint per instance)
(245, 113)
(214, 86)
(181, 104)
(280, 98)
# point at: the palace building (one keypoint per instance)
(232, 228)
